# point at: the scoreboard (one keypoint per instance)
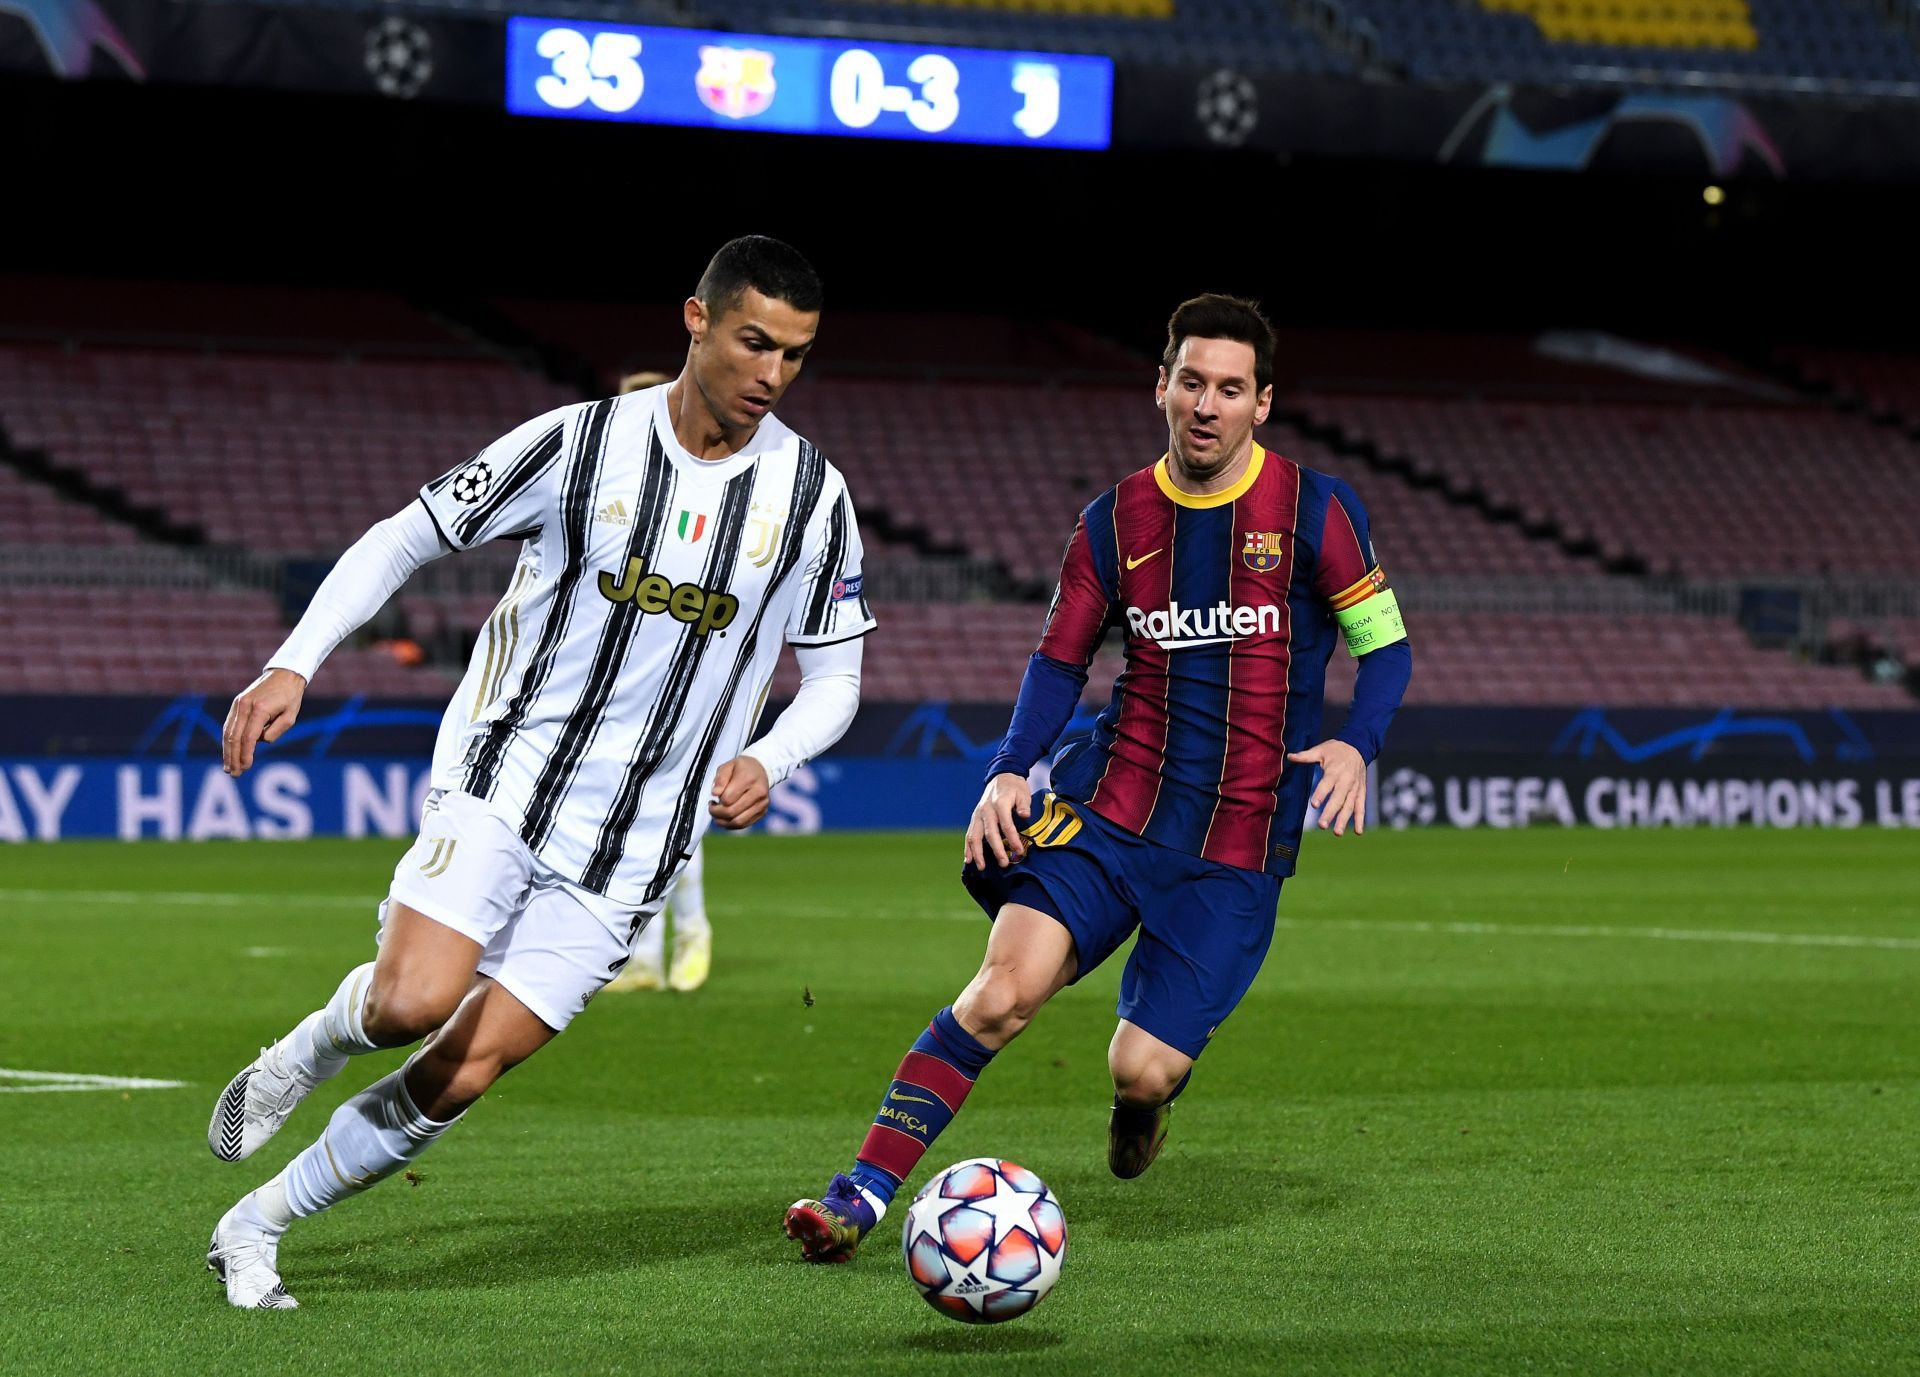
(567, 70)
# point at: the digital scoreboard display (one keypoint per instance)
(568, 70)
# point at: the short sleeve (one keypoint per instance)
(833, 604)
(508, 488)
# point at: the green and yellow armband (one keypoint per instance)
(1373, 623)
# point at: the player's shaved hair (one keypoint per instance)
(757, 263)
(1214, 316)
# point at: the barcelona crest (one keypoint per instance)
(735, 82)
(1262, 551)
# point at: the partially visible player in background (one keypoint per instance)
(1233, 572)
(647, 967)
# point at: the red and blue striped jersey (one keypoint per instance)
(1227, 602)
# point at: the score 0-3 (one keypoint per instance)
(858, 93)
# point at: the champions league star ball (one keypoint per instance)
(984, 1240)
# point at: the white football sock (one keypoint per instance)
(370, 1137)
(324, 1039)
(689, 898)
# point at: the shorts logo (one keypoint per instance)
(692, 526)
(473, 482)
(698, 607)
(436, 865)
(846, 588)
(1262, 551)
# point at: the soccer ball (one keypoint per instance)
(984, 1240)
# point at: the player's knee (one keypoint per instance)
(395, 1016)
(995, 1008)
(1146, 1080)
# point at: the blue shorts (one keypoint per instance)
(1204, 927)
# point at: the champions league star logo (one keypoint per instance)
(1407, 800)
(472, 483)
(735, 82)
(69, 30)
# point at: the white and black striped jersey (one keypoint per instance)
(632, 652)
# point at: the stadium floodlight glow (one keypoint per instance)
(566, 70)
(1713, 195)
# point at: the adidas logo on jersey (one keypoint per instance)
(614, 513)
(698, 607)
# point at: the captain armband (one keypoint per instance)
(1373, 623)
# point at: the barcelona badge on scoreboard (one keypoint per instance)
(1262, 551)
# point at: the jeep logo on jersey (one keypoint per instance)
(685, 602)
(1174, 627)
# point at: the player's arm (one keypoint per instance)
(1350, 581)
(1049, 692)
(358, 586)
(818, 716)
(507, 488)
(828, 623)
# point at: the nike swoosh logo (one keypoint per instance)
(1133, 563)
(908, 1099)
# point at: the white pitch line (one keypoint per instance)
(181, 898)
(1469, 929)
(1766, 939)
(45, 1082)
(201, 899)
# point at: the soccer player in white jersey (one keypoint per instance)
(669, 541)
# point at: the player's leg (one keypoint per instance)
(1057, 915)
(692, 934)
(535, 976)
(1204, 931)
(375, 1134)
(1148, 1074)
(457, 886)
(1030, 958)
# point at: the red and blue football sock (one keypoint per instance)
(927, 1091)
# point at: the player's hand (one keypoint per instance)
(993, 827)
(740, 793)
(263, 712)
(1342, 795)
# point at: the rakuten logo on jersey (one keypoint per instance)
(1174, 627)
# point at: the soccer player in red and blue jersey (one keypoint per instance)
(1232, 573)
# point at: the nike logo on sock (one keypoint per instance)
(906, 1099)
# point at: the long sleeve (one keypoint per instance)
(1057, 673)
(820, 712)
(359, 586)
(1049, 692)
(1379, 685)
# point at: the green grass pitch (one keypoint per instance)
(1574, 1102)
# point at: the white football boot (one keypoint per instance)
(244, 1255)
(255, 1104)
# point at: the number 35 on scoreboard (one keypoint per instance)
(807, 85)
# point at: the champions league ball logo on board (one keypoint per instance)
(1228, 107)
(399, 57)
(1407, 800)
(472, 482)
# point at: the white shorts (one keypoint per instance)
(551, 943)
